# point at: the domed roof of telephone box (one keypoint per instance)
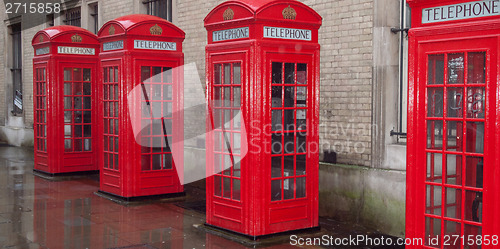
(272, 10)
(64, 34)
(140, 24)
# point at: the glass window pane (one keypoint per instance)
(77, 74)
(276, 96)
(86, 74)
(78, 102)
(300, 165)
(236, 73)
(78, 145)
(475, 102)
(68, 145)
(167, 75)
(157, 161)
(473, 206)
(167, 109)
(105, 75)
(276, 144)
(237, 166)
(288, 188)
(474, 172)
(301, 96)
(67, 130)
(68, 116)
(67, 88)
(289, 120)
(475, 137)
(288, 166)
(277, 72)
(227, 96)
(301, 143)
(289, 96)
(301, 187)
(145, 74)
(476, 69)
(433, 200)
(236, 189)
(236, 96)
(435, 74)
(301, 120)
(289, 73)
(227, 165)
(67, 74)
(227, 74)
(77, 89)
(236, 143)
(455, 102)
(454, 169)
(276, 166)
(456, 68)
(454, 141)
(116, 76)
(276, 120)
(226, 182)
(434, 167)
(87, 104)
(435, 134)
(86, 89)
(453, 203)
(275, 190)
(435, 102)
(301, 73)
(68, 103)
(87, 144)
(217, 164)
(167, 92)
(87, 131)
(288, 143)
(217, 74)
(157, 72)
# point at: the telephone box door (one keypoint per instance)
(455, 153)
(77, 108)
(160, 114)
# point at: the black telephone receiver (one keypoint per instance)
(479, 196)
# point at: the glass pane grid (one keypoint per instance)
(226, 118)
(40, 109)
(455, 142)
(157, 121)
(289, 130)
(111, 118)
(77, 96)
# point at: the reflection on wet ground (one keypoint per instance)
(37, 213)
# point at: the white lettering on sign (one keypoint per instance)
(287, 33)
(114, 45)
(155, 45)
(75, 50)
(42, 51)
(230, 34)
(461, 11)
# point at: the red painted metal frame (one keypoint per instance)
(462, 36)
(51, 157)
(125, 178)
(254, 214)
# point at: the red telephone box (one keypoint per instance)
(262, 70)
(64, 85)
(453, 174)
(140, 124)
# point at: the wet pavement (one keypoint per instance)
(38, 213)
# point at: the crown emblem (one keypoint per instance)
(289, 13)
(111, 30)
(40, 39)
(228, 14)
(76, 38)
(156, 30)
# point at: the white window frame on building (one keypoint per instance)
(160, 8)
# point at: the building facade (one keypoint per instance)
(362, 93)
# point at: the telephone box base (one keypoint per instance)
(171, 197)
(262, 240)
(65, 176)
